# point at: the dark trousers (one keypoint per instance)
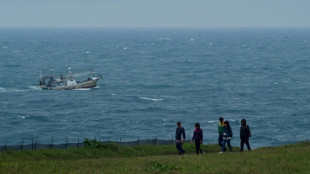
(198, 149)
(224, 143)
(179, 146)
(246, 141)
(220, 140)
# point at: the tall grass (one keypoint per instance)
(158, 159)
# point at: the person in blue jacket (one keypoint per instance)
(227, 135)
(180, 138)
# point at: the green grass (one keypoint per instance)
(158, 159)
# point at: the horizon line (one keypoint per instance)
(160, 27)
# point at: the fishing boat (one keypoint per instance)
(68, 81)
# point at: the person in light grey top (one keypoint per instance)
(227, 135)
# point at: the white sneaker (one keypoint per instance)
(220, 152)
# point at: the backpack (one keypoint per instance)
(249, 131)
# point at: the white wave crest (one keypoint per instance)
(164, 38)
(22, 117)
(2, 89)
(152, 99)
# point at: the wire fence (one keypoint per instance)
(35, 144)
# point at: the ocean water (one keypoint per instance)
(153, 78)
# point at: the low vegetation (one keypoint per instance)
(113, 158)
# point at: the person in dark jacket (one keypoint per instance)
(227, 135)
(244, 135)
(180, 138)
(198, 137)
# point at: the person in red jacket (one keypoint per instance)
(198, 137)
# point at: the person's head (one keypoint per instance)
(226, 124)
(179, 124)
(221, 119)
(197, 125)
(243, 122)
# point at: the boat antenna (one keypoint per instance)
(40, 75)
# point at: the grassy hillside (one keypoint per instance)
(113, 158)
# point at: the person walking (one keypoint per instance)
(180, 138)
(245, 133)
(220, 130)
(198, 137)
(227, 135)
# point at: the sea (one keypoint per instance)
(154, 77)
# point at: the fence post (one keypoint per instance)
(109, 139)
(120, 140)
(5, 145)
(155, 140)
(35, 145)
(188, 137)
(78, 144)
(52, 142)
(67, 143)
(138, 140)
(22, 144)
(31, 143)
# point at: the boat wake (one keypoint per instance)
(34, 87)
(5, 90)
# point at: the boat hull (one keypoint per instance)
(86, 84)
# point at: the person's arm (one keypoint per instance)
(220, 129)
(247, 130)
(183, 132)
(176, 132)
(201, 136)
(229, 133)
(240, 132)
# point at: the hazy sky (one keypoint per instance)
(154, 13)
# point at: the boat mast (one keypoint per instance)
(69, 73)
